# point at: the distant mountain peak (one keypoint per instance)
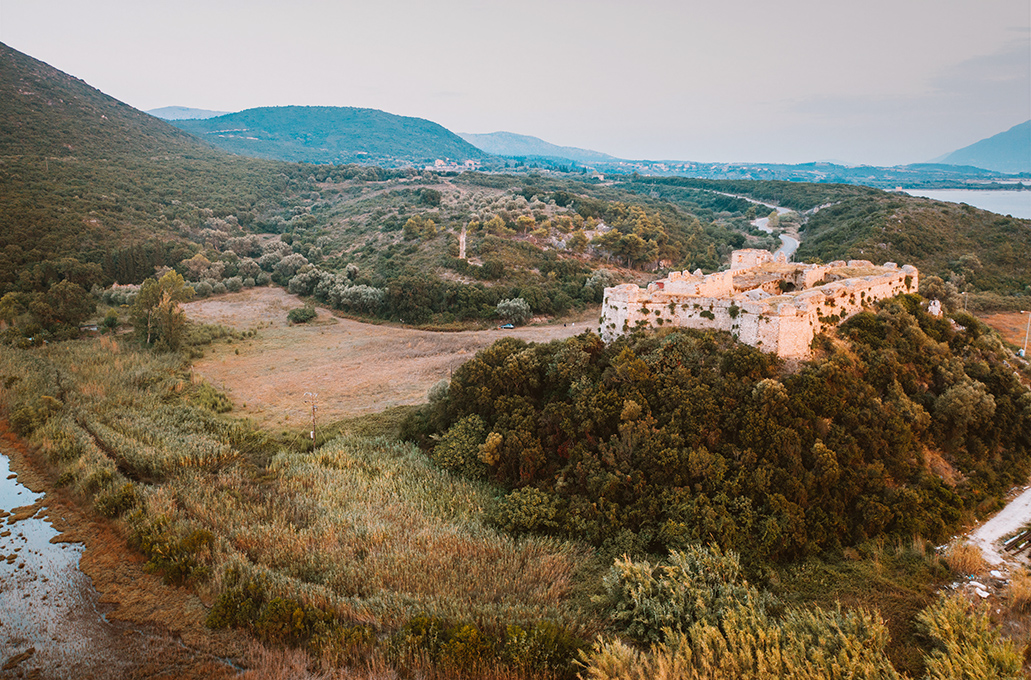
(1008, 151)
(184, 113)
(512, 144)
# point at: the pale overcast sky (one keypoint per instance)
(873, 81)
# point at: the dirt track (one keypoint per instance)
(355, 368)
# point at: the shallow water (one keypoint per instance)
(48, 607)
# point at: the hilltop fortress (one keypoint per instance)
(766, 302)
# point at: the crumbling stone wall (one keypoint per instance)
(769, 304)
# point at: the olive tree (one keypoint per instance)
(516, 310)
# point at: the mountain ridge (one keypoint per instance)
(1008, 151)
(332, 134)
(92, 189)
(45, 108)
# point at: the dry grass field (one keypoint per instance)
(1011, 325)
(355, 368)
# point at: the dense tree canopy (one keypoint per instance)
(660, 440)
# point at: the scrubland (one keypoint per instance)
(365, 557)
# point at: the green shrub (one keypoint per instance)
(704, 621)
(114, 502)
(544, 646)
(29, 417)
(208, 397)
(177, 554)
(250, 604)
(342, 645)
(526, 510)
(110, 321)
(746, 644)
(458, 450)
(648, 602)
(466, 648)
(239, 603)
(422, 633)
(302, 314)
(98, 479)
(515, 310)
(59, 441)
(205, 334)
(459, 646)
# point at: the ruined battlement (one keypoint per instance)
(763, 300)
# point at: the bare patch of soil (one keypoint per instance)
(355, 368)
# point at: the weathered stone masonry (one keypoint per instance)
(765, 302)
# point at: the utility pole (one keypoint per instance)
(1023, 352)
(312, 398)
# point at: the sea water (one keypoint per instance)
(1013, 203)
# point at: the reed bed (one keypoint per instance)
(366, 530)
(965, 558)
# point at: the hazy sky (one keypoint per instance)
(871, 81)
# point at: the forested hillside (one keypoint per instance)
(978, 251)
(95, 192)
(92, 190)
(333, 134)
(975, 249)
(554, 243)
(657, 441)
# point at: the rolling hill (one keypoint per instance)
(1008, 151)
(47, 113)
(89, 184)
(327, 134)
(92, 189)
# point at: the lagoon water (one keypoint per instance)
(1014, 203)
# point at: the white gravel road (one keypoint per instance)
(1016, 514)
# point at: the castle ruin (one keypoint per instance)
(764, 301)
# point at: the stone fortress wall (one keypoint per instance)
(764, 301)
